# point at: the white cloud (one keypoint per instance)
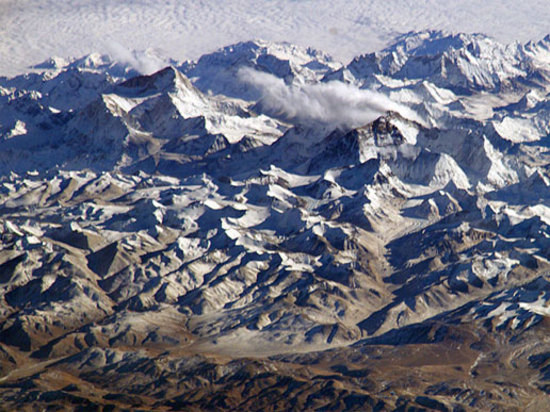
(142, 61)
(334, 103)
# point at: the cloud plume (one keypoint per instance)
(144, 62)
(334, 103)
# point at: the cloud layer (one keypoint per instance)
(334, 103)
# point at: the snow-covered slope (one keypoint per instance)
(267, 202)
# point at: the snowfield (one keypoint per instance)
(32, 31)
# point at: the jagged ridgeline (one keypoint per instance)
(269, 229)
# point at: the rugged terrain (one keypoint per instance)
(268, 229)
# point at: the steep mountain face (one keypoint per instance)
(218, 72)
(463, 63)
(168, 243)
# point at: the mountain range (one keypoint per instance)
(266, 228)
